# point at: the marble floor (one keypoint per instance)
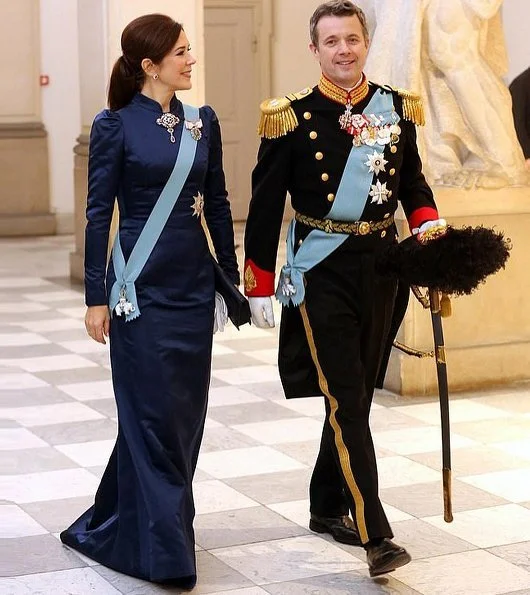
(57, 426)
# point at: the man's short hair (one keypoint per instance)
(336, 8)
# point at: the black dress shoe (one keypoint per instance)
(386, 557)
(341, 528)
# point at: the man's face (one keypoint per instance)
(341, 50)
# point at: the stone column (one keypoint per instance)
(25, 204)
(94, 73)
(101, 23)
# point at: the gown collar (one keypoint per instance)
(153, 105)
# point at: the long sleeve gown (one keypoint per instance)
(141, 521)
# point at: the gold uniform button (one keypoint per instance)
(313, 135)
(324, 177)
(387, 215)
(331, 197)
(319, 155)
(393, 149)
(307, 115)
(392, 172)
(383, 234)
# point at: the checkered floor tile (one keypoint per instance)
(58, 423)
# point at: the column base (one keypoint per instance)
(25, 205)
(77, 267)
(27, 225)
(80, 191)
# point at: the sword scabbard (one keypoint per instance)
(448, 497)
(443, 392)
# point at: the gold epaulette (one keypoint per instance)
(412, 107)
(277, 115)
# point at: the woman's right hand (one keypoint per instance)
(97, 323)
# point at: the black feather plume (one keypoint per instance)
(456, 263)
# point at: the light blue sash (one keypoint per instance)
(348, 205)
(123, 293)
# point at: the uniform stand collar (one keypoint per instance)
(340, 95)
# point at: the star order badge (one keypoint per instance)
(198, 205)
(376, 162)
(380, 193)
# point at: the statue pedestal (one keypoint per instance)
(487, 337)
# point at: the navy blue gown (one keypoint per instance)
(141, 523)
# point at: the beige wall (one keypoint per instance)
(19, 69)
(93, 67)
(24, 193)
(293, 66)
(515, 18)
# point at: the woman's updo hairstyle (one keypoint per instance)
(150, 36)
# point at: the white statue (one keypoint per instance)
(453, 53)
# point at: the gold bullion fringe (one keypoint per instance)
(412, 107)
(277, 118)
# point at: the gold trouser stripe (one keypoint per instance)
(344, 455)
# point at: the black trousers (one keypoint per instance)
(346, 316)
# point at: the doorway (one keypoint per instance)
(237, 78)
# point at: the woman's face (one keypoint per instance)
(175, 69)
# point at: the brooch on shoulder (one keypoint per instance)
(194, 126)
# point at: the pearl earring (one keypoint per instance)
(155, 76)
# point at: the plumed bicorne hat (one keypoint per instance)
(455, 263)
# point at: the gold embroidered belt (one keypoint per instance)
(358, 228)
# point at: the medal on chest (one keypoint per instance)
(369, 129)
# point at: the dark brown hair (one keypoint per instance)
(336, 8)
(150, 36)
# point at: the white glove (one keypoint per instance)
(428, 224)
(220, 317)
(261, 311)
(430, 230)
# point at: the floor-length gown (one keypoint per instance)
(141, 521)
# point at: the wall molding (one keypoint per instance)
(22, 130)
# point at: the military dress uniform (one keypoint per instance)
(324, 145)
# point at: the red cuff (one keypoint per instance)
(258, 283)
(421, 215)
